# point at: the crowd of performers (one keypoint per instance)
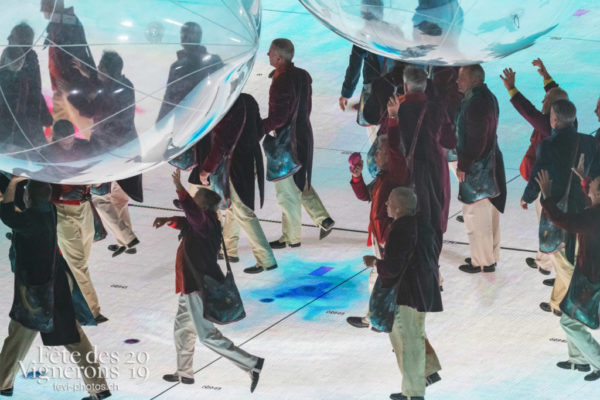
(422, 122)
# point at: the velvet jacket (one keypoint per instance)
(476, 126)
(292, 87)
(199, 246)
(238, 135)
(35, 264)
(418, 283)
(541, 127)
(556, 154)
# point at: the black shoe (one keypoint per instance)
(460, 219)
(570, 365)
(470, 269)
(177, 378)
(490, 268)
(6, 392)
(119, 251)
(256, 269)
(357, 322)
(548, 282)
(99, 396)
(543, 271)
(133, 243)
(220, 256)
(400, 396)
(593, 376)
(132, 250)
(558, 313)
(433, 378)
(326, 227)
(256, 374)
(113, 247)
(468, 260)
(276, 244)
(548, 308)
(177, 204)
(531, 262)
(233, 259)
(100, 319)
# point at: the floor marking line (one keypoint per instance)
(271, 326)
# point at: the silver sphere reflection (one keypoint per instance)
(441, 32)
(134, 83)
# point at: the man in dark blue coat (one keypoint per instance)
(42, 297)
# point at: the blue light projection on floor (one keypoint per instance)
(321, 271)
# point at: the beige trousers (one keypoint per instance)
(75, 230)
(63, 109)
(19, 341)
(482, 221)
(113, 209)
(415, 355)
(189, 324)
(564, 271)
(237, 216)
(543, 260)
(290, 198)
(583, 348)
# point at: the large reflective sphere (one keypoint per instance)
(98, 90)
(441, 32)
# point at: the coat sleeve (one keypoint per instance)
(360, 189)
(281, 103)
(535, 117)
(178, 222)
(357, 57)
(472, 143)
(168, 102)
(532, 190)
(373, 109)
(399, 248)
(196, 217)
(224, 136)
(587, 221)
(397, 166)
(17, 221)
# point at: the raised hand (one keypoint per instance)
(580, 170)
(177, 180)
(541, 68)
(509, 78)
(394, 104)
(356, 169)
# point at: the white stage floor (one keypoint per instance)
(493, 341)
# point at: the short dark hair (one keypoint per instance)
(565, 111)
(39, 192)
(112, 62)
(62, 129)
(24, 33)
(191, 33)
(476, 71)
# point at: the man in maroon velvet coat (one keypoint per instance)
(237, 138)
(291, 88)
(540, 121)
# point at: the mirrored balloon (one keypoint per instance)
(441, 32)
(98, 90)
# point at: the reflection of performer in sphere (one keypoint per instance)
(23, 110)
(110, 103)
(438, 22)
(193, 65)
(66, 30)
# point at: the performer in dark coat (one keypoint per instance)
(236, 155)
(391, 164)
(196, 259)
(558, 154)
(67, 45)
(580, 306)
(23, 110)
(290, 93)
(42, 300)
(373, 66)
(480, 170)
(392, 83)
(417, 291)
(540, 121)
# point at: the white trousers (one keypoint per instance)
(482, 221)
(113, 209)
(290, 200)
(189, 324)
(543, 260)
(237, 216)
(583, 348)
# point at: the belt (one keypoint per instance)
(71, 202)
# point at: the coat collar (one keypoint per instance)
(566, 131)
